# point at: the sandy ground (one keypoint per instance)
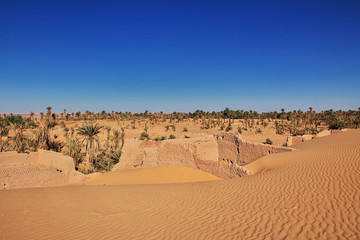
(151, 176)
(312, 193)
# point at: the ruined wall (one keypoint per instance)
(10, 157)
(38, 169)
(298, 139)
(222, 155)
(56, 160)
(234, 149)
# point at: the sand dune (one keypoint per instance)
(151, 176)
(312, 193)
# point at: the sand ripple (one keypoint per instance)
(312, 193)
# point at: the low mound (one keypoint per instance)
(151, 176)
(312, 193)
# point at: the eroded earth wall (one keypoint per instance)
(37, 169)
(222, 155)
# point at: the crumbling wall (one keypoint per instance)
(234, 149)
(291, 140)
(10, 157)
(37, 169)
(222, 155)
(56, 160)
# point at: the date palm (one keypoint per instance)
(18, 140)
(89, 133)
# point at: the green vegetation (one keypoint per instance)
(50, 131)
(268, 141)
(229, 127)
(160, 138)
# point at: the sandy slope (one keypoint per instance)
(151, 176)
(313, 193)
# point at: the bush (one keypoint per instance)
(160, 138)
(172, 136)
(258, 131)
(228, 128)
(269, 141)
(144, 136)
(279, 131)
(185, 129)
(239, 130)
(336, 123)
(312, 130)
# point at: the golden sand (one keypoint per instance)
(151, 176)
(312, 193)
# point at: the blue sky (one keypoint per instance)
(179, 55)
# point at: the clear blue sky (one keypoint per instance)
(179, 55)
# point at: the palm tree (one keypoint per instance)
(42, 134)
(48, 111)
(91, 141)
(19, 141)
(32, 116)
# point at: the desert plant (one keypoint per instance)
(268, 141)
(172, 136)
(337, 123)
(160, 138)
(105, 161)
(144, 135)
(18, 142)
(91, 141)
(258, 131)
(72, 147)
(229, 127)
(185, 129)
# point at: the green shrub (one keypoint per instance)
(269, 141)
(160, 138)
(144, 135)
(336, 123)
(172, 136)
(228, 128)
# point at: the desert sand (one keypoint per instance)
(156, 175)
(311, 193)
